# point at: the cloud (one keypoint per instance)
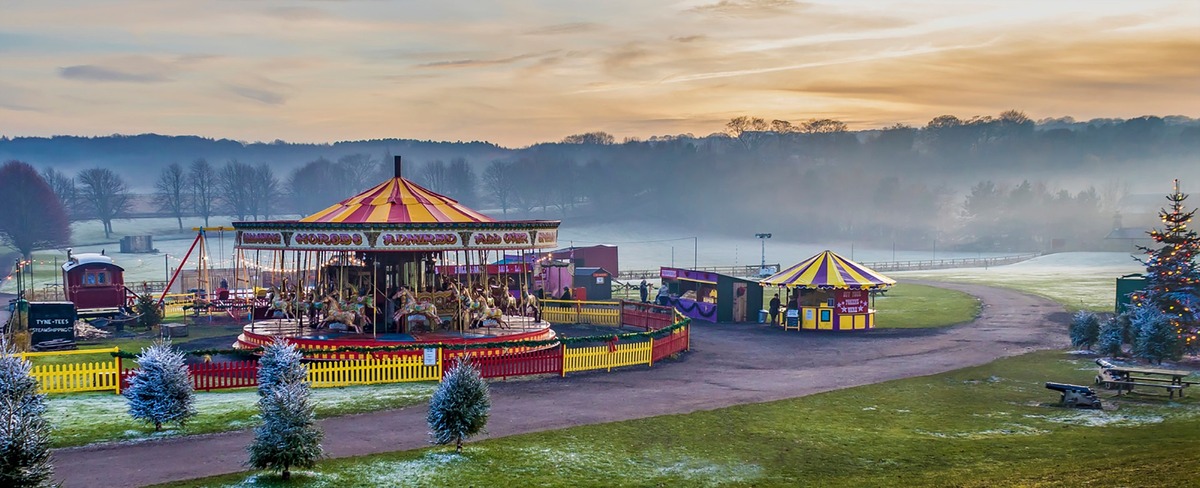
(474, 63)
(694, 38)
(568, 28)
(91, 72)
(748, 8)
(260, 90)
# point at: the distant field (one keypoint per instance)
(1078, 280)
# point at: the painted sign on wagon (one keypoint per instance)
(851, 301)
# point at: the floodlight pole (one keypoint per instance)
(763, 238)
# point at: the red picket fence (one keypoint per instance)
(545, 361)
(231, 374)
(645, 315)
(215, 376)
(670, 344)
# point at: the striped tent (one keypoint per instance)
(828, 270)
(398, 201)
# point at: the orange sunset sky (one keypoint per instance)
(520, 72)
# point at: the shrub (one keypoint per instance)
(24, 433)
(1085, 329)
(459, 408)
(160, 390)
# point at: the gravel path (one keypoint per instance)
(729, 365)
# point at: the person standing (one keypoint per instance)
(774, 310)
(664, 295)
(644, 291)
(566, 293)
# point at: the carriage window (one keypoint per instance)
(89, 279)
(101, 277)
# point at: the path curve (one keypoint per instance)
(729, 364)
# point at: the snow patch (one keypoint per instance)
(1009, 430)
(1100, 418)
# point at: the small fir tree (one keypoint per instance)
(1085, 329)
(149, 313)
(160, 391)
(1172, 278)
(1111, 340)
(288, 436)
(1156, 337)
(459, 408)
(279, 364)
(24, 433)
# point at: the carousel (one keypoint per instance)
(396, 264)
(828, 292)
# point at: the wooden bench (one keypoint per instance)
(1128, 386)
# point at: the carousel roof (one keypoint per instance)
(829, 270)
(398, 201)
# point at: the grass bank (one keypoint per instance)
(993, 425)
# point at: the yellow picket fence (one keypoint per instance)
(371, 371)
(581, 312)
(104, 375)
(604, 357)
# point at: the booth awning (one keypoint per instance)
(828, 270)
(398, 201)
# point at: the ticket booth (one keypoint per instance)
(828, 292)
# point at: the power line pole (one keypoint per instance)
(763, 238)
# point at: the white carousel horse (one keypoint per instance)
(334, 313)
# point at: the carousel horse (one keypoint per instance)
(484, 313)
(529, 304)
(334, 313)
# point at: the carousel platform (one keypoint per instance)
(263, 332)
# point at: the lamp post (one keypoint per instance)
(764, 238)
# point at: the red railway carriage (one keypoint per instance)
(94, 283)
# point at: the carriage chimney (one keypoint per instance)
(396, 162)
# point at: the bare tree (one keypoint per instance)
(308, 183)
(747, 130)
(823, 126)
(235, 184)
(63, 187)
(460, 181)
(434, 176)
(598, 137)
(33, 216)
(500, 182)
(105, 193)
(203, 183)
(171, 191)
(360, 171)
(265, 191)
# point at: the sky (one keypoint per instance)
(521, 72)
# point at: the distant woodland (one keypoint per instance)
(987, 183)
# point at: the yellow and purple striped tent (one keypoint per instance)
(398, 201)
(828, 270)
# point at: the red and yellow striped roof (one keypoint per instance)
(398, 201)
(829, 270)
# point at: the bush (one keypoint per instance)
(1156, 338)
(1085, 329)
(160, 390)
(24, 433)
(459, 408)
(1112, 334)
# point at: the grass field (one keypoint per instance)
(1077, 280)
(86, 418)
(993, 425)
(910, 306)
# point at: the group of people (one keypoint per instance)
(664, 293)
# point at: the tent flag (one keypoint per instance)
(830, 271)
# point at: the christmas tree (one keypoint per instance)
(24, 434)
(288, 436)
(160, 390)
(1156, 338)
(459, 408)
(1171, 276)
(1111, 340)
(1085, 329)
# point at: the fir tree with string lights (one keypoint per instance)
(1172, 279)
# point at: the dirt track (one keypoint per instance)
(729, 364)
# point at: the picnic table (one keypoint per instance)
(1125, 378)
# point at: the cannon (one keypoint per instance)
(1075, 395)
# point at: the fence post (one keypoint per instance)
(117, 349)
(651, 351)
(562, 365)
(440, 369)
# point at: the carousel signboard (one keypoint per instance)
(368, 238)
(350, 241)
(419, 241)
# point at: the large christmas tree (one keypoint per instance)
(1172, 280)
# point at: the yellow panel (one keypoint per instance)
(871, 320)
(860, 321)
(845, 322)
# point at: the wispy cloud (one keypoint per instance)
(749, 8)
(473, 63)
(91, 72)
(262, 90)
(569, 28)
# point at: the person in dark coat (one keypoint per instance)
(644, 290)
(774, 310)
(566, 293)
